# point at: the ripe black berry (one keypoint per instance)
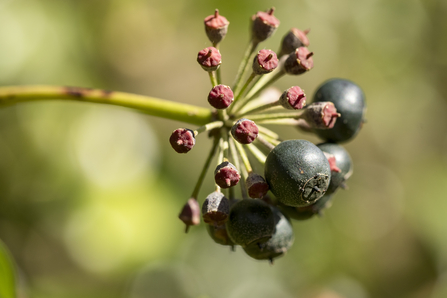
(343, 162)
(303, 213)
(250, 221)
(349, 101)
(297, 172)
(281, 241)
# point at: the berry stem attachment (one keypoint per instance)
(235, 157)
(213, 78)
(196, 190)
(243, 67)
(260, 157)
(208, 127)
(150, 105)
(244, 157)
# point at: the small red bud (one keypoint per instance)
(265, 62)
(294, 39)
(226, 175)
(264, 25)
(182, 140)
(321, 115)
(293, 98)
(220, 97)
(190, 213)
(215, 209)
(216, 27)
(209, 58)
(256, 185)
(299, 62)
(244, 131)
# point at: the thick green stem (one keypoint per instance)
(153, 106)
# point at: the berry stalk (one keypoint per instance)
(11, 95)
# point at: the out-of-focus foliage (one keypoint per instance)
(89, 195)
(7, 274)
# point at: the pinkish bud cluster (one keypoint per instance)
(244, 131)
(293, 98)
(265, 62)
(216, 27)
(182, 140)
(264, 25)
(220, 97)
(299, 61)
(209, 58)
(292, 40)
(226, 175)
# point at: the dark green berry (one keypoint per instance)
(297, 172)
(250, 221)
(280, 242)
(349, 101)
(343, 162)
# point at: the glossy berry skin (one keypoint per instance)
(303, 213)
(280, 242)
(250, 221)
(297, 172)
(349, 100)
(343, 161)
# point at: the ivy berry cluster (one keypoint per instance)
(299, 178)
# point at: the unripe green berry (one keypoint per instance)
(297, 172)
(250, 221)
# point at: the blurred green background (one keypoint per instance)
(89, 195)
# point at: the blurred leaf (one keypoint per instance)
(7, 274)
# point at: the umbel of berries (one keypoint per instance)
(297, 172)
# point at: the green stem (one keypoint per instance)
(238, 96)
(213, 78)
(257, 153)
(258, 109)
(243, 66)
(150, 105)
(273, 116)
(262, 85)
(208, 127)
(196, 190)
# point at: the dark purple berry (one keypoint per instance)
(244, 131)
(216, 27)
(190, 213)
(215, 208)
(209, 58)
(250, 221)
(264, 25)
(182, 140)
(293, 98)
(265, 62)
(321, 115)
(220, 97)
(299, 61)
(292, 40)
(297, 172)
(226, 175)
(256, 185)
(349, 101)
(343, 163)
(282, 239)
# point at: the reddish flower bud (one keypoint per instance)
(209, 58)
(216, 27)
(244, 131)
(215, 209)
(226, 175)
(256, 185)
(265, 62)
(182, 140)
(220, 97)
(293, 98)
(264, 25)
(299, 61)
(321, 115)
(190, 213)
(292, 40)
